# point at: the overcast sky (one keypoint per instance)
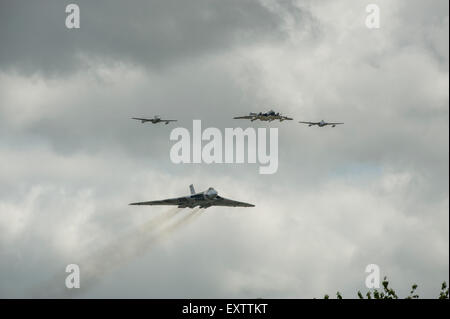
(373, 191)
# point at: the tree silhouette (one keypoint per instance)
(389, 293)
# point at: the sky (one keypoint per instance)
(372, 191)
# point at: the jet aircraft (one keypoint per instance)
(154, 120)
(267, 116)
(321, 123)
(204, 199)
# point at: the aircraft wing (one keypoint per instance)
(246, 117)
(287, 118)
(170, 201)
(169, 120)
(220, 201)
(311, 123)
(141, 119)
(334, 123)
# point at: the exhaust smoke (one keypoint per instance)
(117, 253)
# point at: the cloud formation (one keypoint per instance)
(372, 191)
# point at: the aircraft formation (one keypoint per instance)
(210, 197)
(268, 116)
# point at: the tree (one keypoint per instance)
(389, 293)
(444, 291)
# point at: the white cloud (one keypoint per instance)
(372, 191)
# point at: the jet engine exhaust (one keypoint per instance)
(116, 254)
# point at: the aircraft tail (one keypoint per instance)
(191, 187)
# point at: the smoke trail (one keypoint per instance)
(183, 221)
(160, 220)
(118, 253)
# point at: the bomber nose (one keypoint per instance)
(211, 193)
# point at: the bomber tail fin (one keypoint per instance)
(191, 187)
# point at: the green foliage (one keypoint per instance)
(444, 291)
(412, 294)
(389, 293)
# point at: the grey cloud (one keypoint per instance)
(151, 33)
(372, 191)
